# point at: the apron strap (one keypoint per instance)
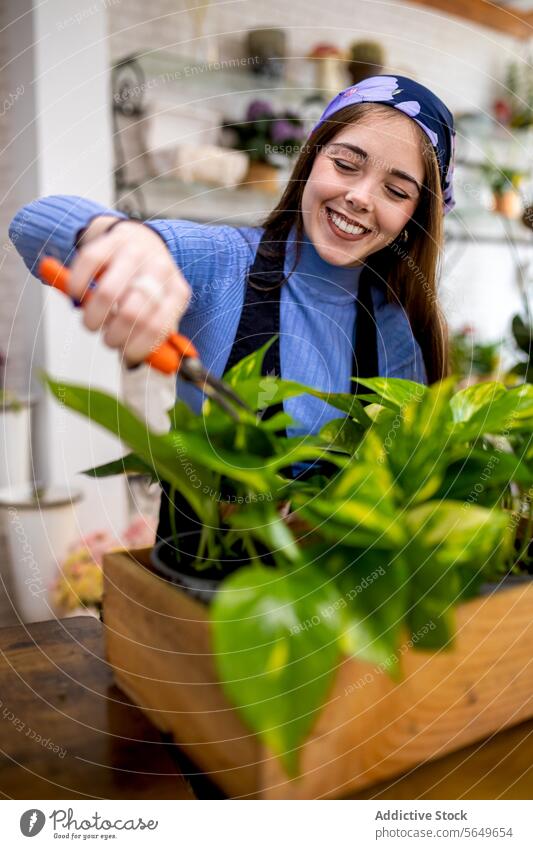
(365, 355)
(260, 316)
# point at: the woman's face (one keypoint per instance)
(363, 188)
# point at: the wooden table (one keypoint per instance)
(66, 732)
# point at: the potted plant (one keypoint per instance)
(271, 139)
(504, 183)
(356, 614)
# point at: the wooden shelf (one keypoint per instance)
(507, 20)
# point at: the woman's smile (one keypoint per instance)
(345, 227)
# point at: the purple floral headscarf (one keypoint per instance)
(420, 104)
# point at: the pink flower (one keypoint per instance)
(140, 533)
(98, 544)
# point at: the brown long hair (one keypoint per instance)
(409, 270)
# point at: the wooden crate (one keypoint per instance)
(370, 729)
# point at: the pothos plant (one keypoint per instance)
(419, 513)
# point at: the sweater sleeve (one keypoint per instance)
(50, 225)
(211, 257)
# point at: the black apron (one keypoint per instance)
(259, 322)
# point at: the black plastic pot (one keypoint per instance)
(201, 584)
(507, 582)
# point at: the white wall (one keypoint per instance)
(62, 143)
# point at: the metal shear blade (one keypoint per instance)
(194, 371)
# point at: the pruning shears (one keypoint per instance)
(177, 355)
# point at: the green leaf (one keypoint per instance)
(458, 532)
(182, 417)
(261, 392)
(417, 443)
(433, 592)
(394, 389)
(452, 545)
(349, 404)
(483, 476)
(248, 367)
(276, 641)
(128, 465)
(375, 586)
(468, 401)
(342, 435)
(523, 334)
(156, 450)
(358, 507)
(277, 422)
(262, 518)
(506, 412)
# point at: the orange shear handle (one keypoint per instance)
(167, 358)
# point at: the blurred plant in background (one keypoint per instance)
(502, 180)
(265, 134)
(80, 584)
(515, 107)
(471, 361)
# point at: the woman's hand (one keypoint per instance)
(141, 294)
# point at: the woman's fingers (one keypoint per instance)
(140, 326)
(109, 291)
(140, 294)
(88, 264)
(148, 338)
(128, 320)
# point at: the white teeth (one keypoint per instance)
(342, 224)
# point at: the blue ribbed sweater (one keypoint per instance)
(317, 312)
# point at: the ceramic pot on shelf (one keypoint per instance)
(263, 177)
(508, 204)
(329, 69)
(267, 48)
